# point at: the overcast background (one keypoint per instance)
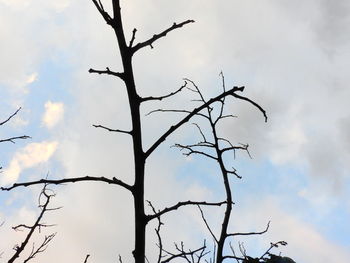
(292, 56)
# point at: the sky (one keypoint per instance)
(293, 58)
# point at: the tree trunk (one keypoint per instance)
(139, 156)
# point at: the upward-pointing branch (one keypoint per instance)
(181, 204)
(20, 248)
(189, 116)
(164, 96)
(155, 37)
(10, 117)
(104, 14)
(12, 139)
(195, 111)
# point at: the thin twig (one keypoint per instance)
(10, 117)
(207, 225)
(273, 245)
(133, 37)
(250, 233)
(181, 204)
(165, 96)
(111, 130)
(12, 139)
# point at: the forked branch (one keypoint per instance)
(189, 150)
(37, 225)
(104, 14)
(190, 256)
(41, 248)
(189, 116)
(197, 110)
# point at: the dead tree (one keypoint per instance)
(45, 197)
(214, 147)
(127, 50)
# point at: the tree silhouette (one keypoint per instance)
(44, 200)
(211, 145)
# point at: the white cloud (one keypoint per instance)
(289, 140)
(61, 5)
(272, 48)
(57, 5)
(53, 114)
(16, 3)
(31, 78)
(30, 156)
(305, 242)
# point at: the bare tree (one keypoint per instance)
(44, 200)
(212, 110)
(214, 147)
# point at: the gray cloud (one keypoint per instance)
(278, 49)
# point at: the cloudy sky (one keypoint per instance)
(292, 56)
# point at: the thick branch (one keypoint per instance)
(71, 180)
(155, 37)
(108, 72)
(189, 116)
(180, 204)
